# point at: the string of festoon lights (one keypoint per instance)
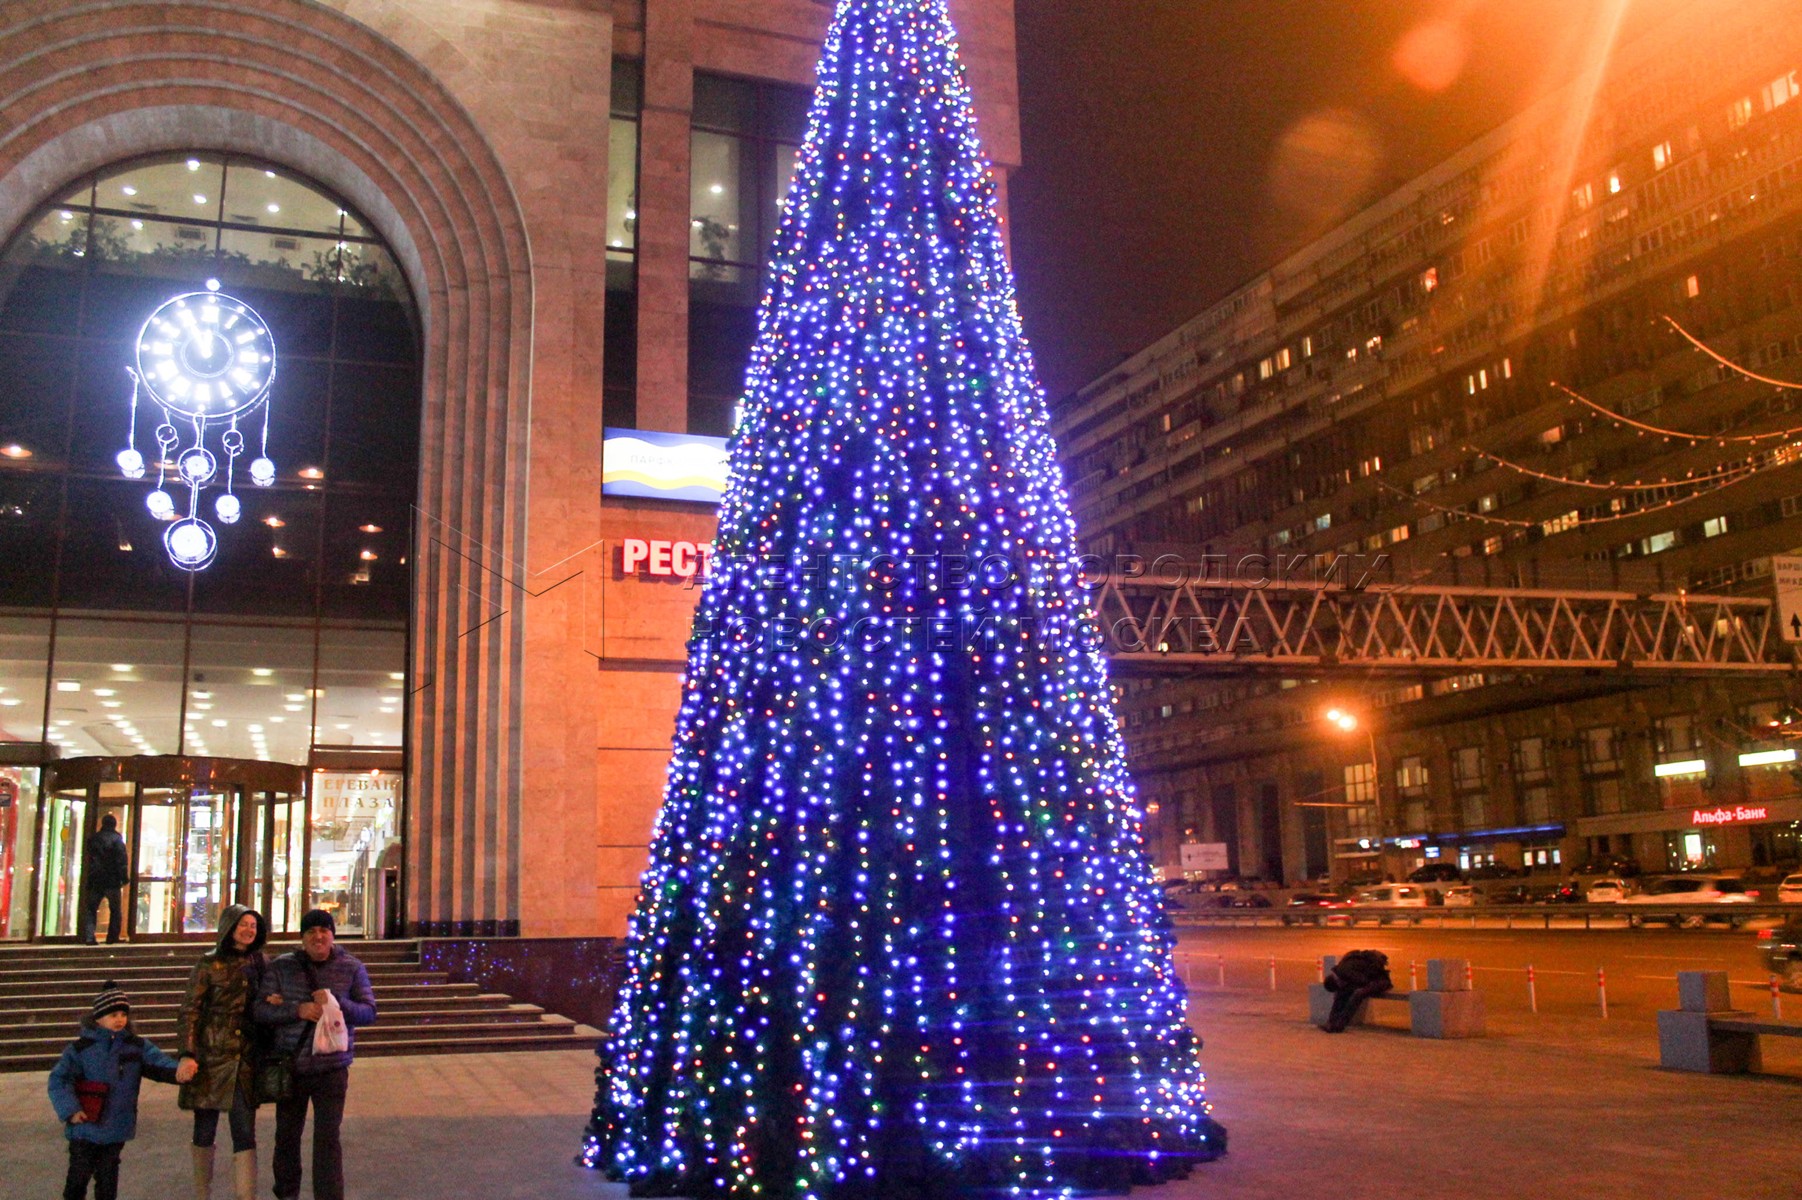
(899, 936)
(1611, 485)
(1582, 522)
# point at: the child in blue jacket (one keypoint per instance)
(107, 1053)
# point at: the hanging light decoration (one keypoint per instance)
(206, 360)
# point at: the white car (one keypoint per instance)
(1385, 899)
(1686, 899)
(1790, 890)
(1606, 890)
(1463, 896)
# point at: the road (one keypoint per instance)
(1640, 964)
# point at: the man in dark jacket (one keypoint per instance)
(1356, 977)
(104, 870)
(298, 984)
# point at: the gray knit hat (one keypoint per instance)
(112, 999)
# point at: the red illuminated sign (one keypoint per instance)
(1737, 815)
(664, 559)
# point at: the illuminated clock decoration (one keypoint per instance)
(206, 360)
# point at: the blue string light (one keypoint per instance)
(899, 935)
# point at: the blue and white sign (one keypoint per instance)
(663, 466)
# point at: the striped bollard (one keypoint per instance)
(1220, 963)
(1413, 976)
(1532, 990)
(1273, 972)
(1776, 999)
(1602, 990)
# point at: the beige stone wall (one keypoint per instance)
(473, 134)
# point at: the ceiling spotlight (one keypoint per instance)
(274, 522)
(14, 450)
(370, 528)
(262, 671)
(123, 668)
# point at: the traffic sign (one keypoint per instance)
(1786, 575)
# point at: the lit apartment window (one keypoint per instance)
(1398, 534)
(1429, 279)
(1582, 197)
(1552, 436)
(1715, 527)
(1781, 91)
(1662, 155)
(1487, 504)
(1692, 287)
(1370, 466)
(1492, 545)
(1658, 542)
(1614, 182)
(1562, 522)
(1307, 347)
(1739, 113)
(1266, 368)
(1283, 358)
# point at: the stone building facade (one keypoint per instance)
(473, 138)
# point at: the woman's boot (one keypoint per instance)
(244, 1175)
(203, 1172)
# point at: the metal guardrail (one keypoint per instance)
(1516, 915)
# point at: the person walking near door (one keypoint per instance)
(105, 869)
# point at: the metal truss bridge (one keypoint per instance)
(1238, 627)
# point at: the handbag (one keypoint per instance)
(274, 1077)
(91, 1094)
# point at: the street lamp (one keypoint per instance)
(1346, 722)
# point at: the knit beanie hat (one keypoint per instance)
(111, 999)
(316, 918)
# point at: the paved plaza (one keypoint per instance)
(1534, 1110)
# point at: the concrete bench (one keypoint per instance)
(1445, 1008)
(1706, 1033)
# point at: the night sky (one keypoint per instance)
(1176, 148)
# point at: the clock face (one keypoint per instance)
(206, 354)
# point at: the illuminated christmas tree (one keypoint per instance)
(899, 936)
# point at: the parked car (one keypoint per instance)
(1680, 894)
(1464, 896)
(1490, 871)
(1313, 908)
(1617, 865)
(1781, 950)
(1245, 900)
(1385, 899)
(1439, 872)
(1790, 890)
(1511, 893)
(1606, 890)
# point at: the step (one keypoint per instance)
(566, 1040)
(464, 998)
(464, 1020)
(170, 997)
(140, 968)
(23, 984)
(537, 1023)
(15, 955)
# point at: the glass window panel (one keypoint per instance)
(41, 277)
(80, 195)
(24, 663)
(719, 206)
(378, 327)
(374, 425)
(296, 417)
(628, 77)
(785, 112)
(18, 845)
(291, 262)
(113, 555)
(135, 664)
(364, 556)
(353, 825)
(62, 839)
(259, 195)
(34, 404)
(729, 105)
(125, 290)
(361, 698)
(29, 508)
(622, 185)
(187, 186)
(243, 684)
(212, 822)
(156, 899)
(267, 562)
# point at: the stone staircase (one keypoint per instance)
(45, 989)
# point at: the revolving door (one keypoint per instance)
(200, 833)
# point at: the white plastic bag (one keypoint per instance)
(330, 1034)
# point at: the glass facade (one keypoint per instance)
(620, 365)
(291, 646)
(746, 140)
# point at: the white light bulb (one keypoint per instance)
(262, 472)
(228, 508)
(131, 464)
(160, 504)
